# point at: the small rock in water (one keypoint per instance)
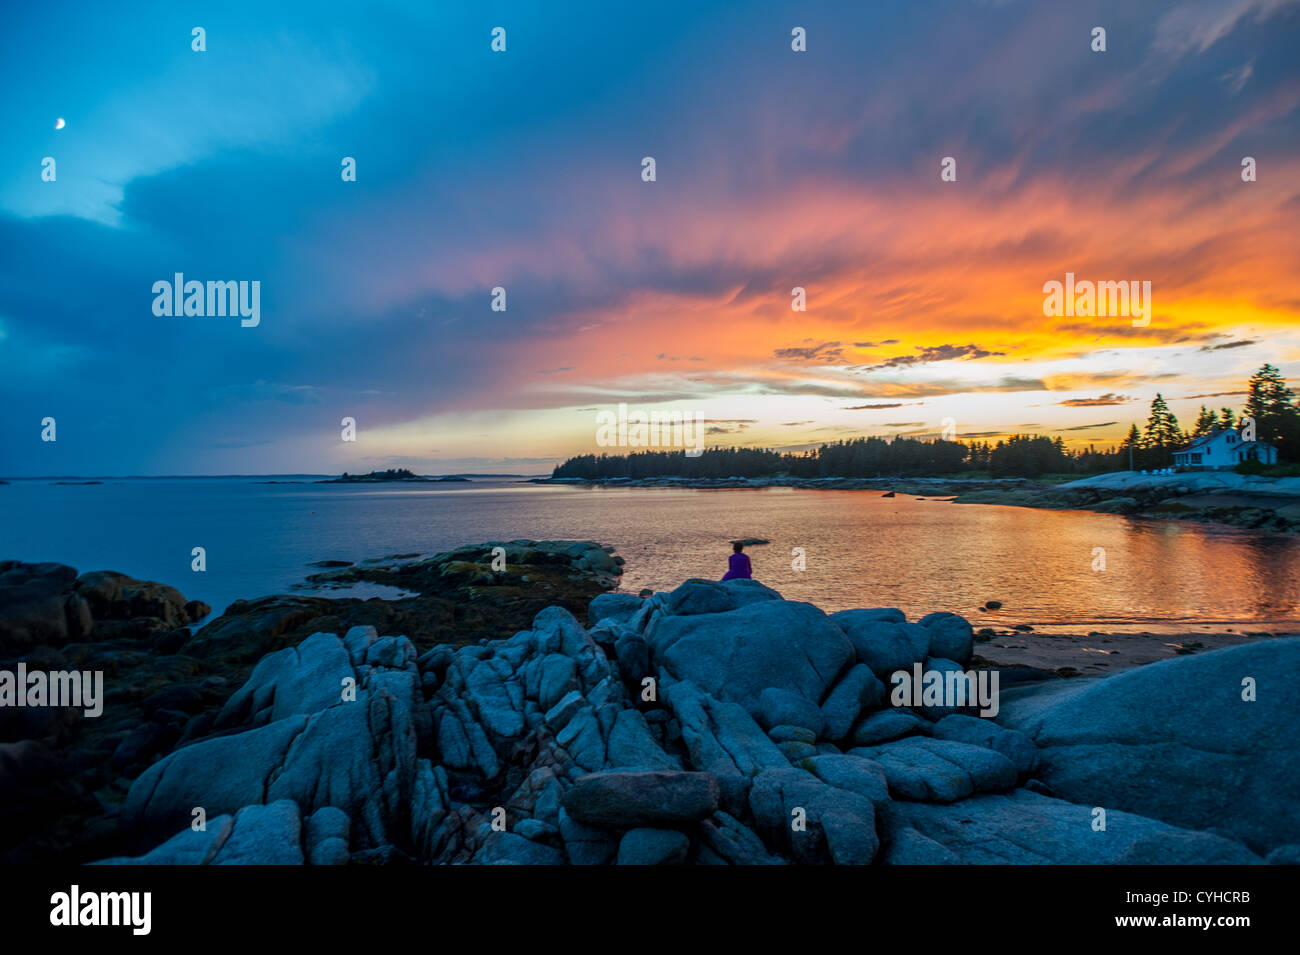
(993, 605)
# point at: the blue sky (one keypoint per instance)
(522, 169)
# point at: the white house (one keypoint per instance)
(1260, 451)
(1224, 449)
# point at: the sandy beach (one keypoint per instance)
(1097, 654)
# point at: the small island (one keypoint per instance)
(392, 474)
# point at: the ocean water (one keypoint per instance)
(859, 549)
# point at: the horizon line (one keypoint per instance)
(298, 474)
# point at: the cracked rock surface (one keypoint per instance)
(716, 724)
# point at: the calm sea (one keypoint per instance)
(859, 549)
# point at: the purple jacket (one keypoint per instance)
(738, 567)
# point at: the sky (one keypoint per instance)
(522, 170)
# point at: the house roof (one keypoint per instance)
(1205, 439)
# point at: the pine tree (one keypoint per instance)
(1206, 423)
(1163, 436)
(1272, 406)
(1227, 416)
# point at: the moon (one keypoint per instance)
(59, 123)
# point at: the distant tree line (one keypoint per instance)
(1271, 405)
(1024, 455)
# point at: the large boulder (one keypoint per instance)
(627, 800)
(188, 847)
(700, 596)
(778, 707)
(264, 835)
(1176, 741)
(723, 739)
(971, 729)
(1024, 827)
(813, 821)
(951, 675)
(857, 775)
(114, 596)
(716, 596)
(883, 640)
(889, 724)
(745, 591)
(934, 770)
(631, 744)
(951, 636)
(857, 692)
(508, 848)
(37, 605)
(736, 654)
(327, 833)
(302, 679)
(728, 842)
(358, 755)
(1012, 744)
(584, 844)
(256, 835)
(653, 847)
(616, 606)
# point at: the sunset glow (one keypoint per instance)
(924, 297)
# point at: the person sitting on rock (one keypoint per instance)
(739, 564)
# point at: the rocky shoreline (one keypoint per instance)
(529, 715)
(1204, 497)
(63, 777)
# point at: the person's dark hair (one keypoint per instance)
(737, 546)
